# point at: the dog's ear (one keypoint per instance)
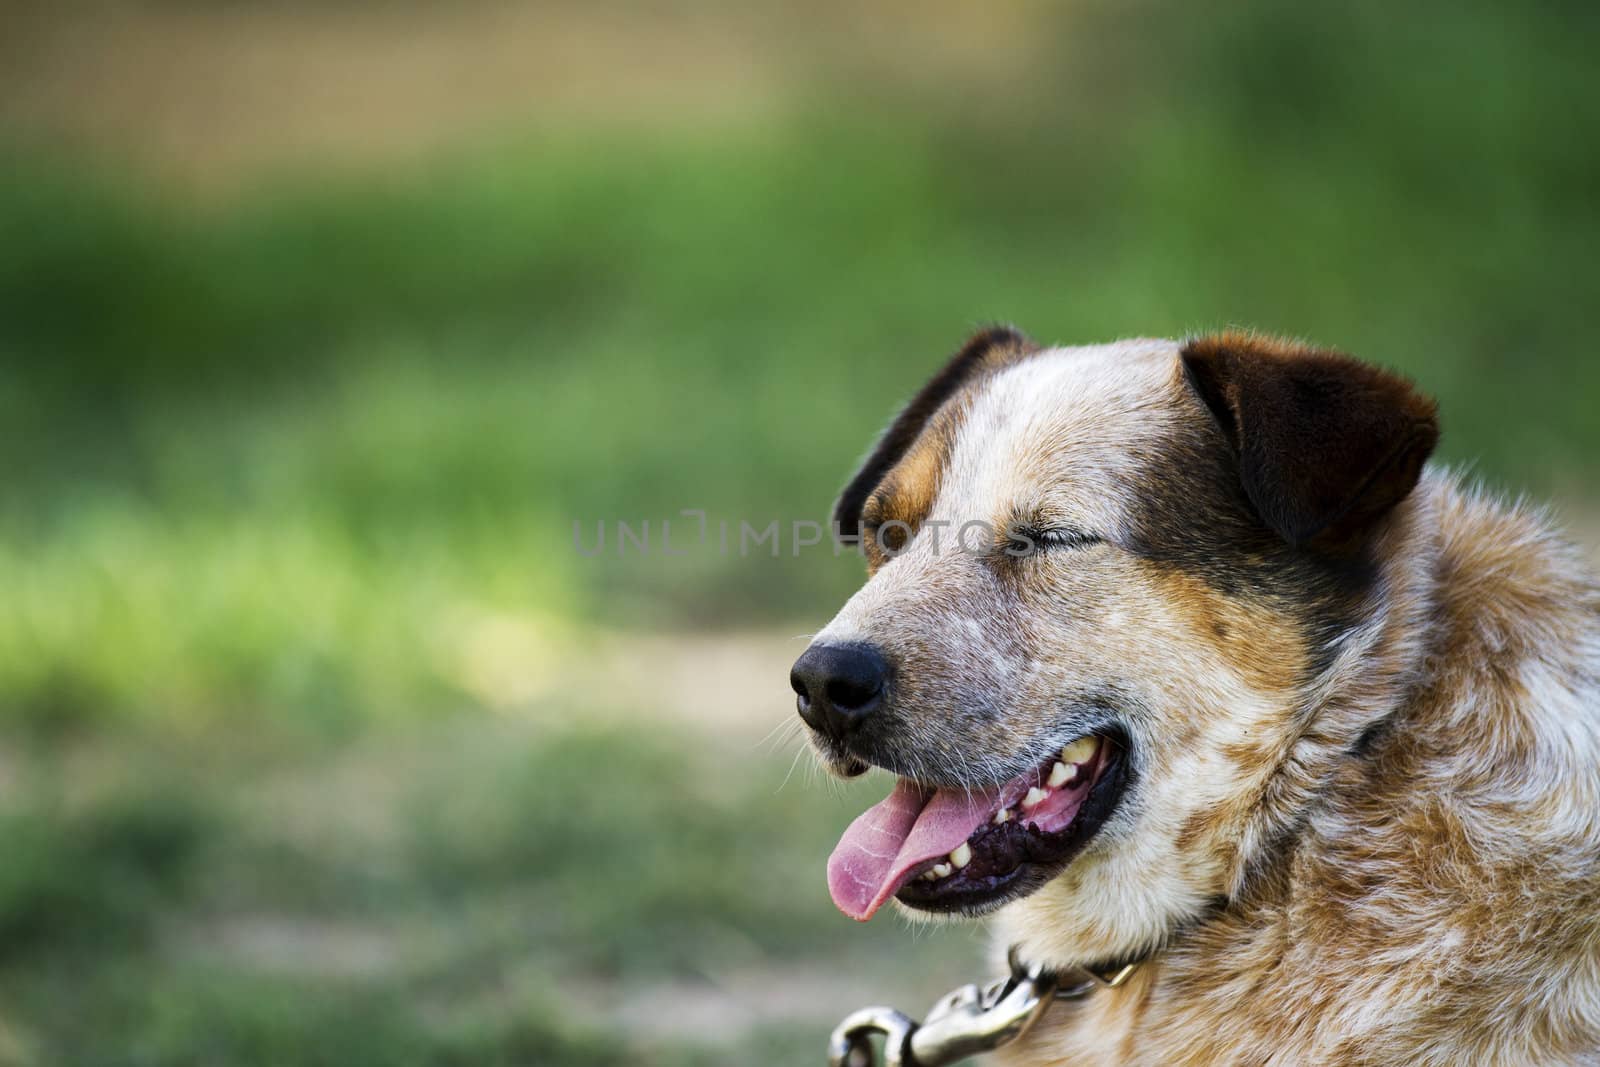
(985, 348)
(1326, 444)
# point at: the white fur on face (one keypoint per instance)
(1058, 431)
(1066, 431)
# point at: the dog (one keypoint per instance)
(1184, 658)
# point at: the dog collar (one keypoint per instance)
(1090, 977)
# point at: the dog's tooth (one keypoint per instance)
(942, 870)
(961, 856)
(1080, 751)
(1035, 797)
(1003, 815)
(1059, 775)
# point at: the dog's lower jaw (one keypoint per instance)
(846, 768)
(1094, 913)
(923, 917)
(836, 761)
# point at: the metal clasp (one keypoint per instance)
(963, 1023)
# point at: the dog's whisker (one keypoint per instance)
(792, 764)
(781, 731)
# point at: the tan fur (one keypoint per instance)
(1374, 845)
(1443, 903)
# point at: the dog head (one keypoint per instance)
(1108, 589)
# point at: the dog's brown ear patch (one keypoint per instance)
(1326, 444)
(987, 348)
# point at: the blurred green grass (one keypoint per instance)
(503, 902)
(291, 427)
(260, 450)
(291, 471)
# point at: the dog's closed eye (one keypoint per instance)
(1026, 540)
(1064, 537)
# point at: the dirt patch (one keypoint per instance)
(290, 945)
(733, 684)
(211, 93)
(726, 1008)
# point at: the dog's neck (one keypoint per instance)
(1374, 673)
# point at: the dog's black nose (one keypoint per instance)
(838, 685)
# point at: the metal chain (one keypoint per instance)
(964, 1022)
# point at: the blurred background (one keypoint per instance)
(321, 324)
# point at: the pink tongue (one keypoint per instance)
(877, 853)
